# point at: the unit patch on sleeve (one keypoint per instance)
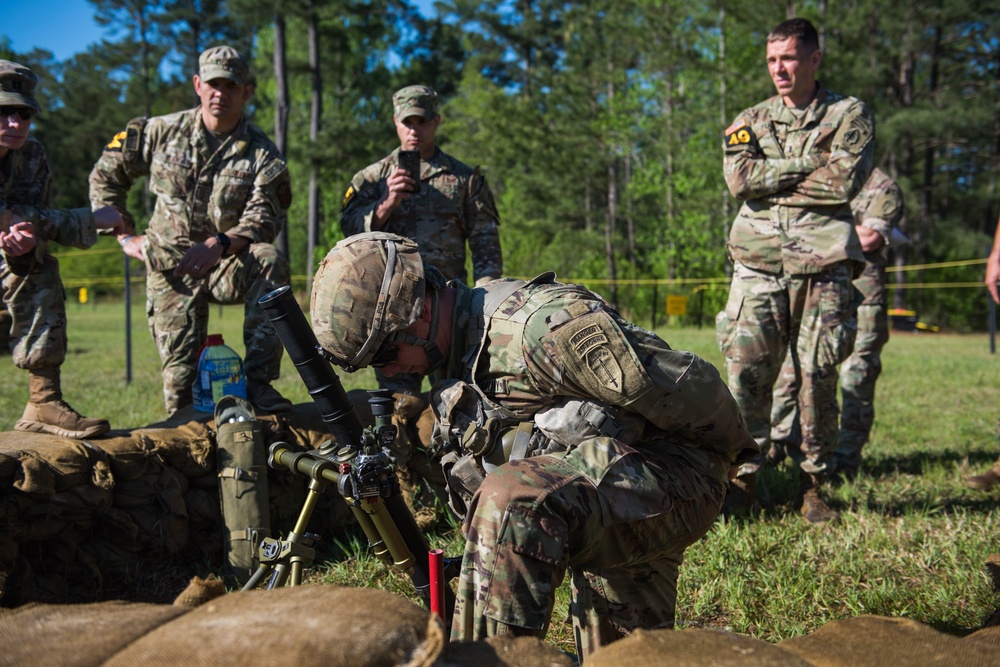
(116, 142)
(739, 133)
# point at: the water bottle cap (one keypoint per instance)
(214, 339)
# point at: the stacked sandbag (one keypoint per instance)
(876, 641)
(989, 634)
(504, 651)
(52, 492)
(692, 647)
(302, 626)
(78, 516)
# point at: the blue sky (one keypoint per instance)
(64, 27)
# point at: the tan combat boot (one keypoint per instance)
(46, 412)
(987, 480)
(810, 503)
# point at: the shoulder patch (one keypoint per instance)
(595, 354)
(739, 134)
(737, 125)
(272, 171)
(117, 142)
(348, 195)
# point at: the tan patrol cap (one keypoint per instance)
(414, 101)
(17, 86)
(223, 62)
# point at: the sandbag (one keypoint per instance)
(85, 635)
(42, 465)
(693, 647)
(876, 641)
(989, 636)
(505, 651)
(305, 626)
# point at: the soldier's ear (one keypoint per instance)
(816, 57)
(248, 91)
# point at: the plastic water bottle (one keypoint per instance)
(220, 373)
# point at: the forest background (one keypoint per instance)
(598, 123)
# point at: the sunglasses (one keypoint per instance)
(25, 113)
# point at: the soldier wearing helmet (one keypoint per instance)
(614, 501)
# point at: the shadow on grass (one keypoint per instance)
(885, 485)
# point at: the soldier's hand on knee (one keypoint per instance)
(199, 260)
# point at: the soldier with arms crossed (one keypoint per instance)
(796, 161)
(222, 195)
(574, 440)
(32, 289)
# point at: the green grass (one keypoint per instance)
(911, 541)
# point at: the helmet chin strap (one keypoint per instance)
(434, 355)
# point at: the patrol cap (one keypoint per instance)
(367, 288)
(223, 62)
(17, 85)
(414, 101)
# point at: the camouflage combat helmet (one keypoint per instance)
(368, 289)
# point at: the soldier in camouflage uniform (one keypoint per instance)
(795, 160)
(991, 478)
(222, 195)
(639, 478)
(877, 209)
(32, 289)
(450, 206)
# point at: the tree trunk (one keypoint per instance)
(905, 86)
(723, 122)
(281, 108)
(612, 210)
(314, 126)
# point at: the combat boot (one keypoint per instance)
(810, 503)
(266, 398)
(46, 412)
(741, 498)
(987, 480)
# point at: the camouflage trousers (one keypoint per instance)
(177, 308)
(857, 389)
(810, 318)
(617, 517)
(857, 383)
(37, 307)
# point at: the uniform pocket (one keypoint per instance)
(530, 557)
(837, 323)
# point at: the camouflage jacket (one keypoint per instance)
(879, 206)
(25, 179)
(454, 205)
(796, 177)
(548, 341)
(242, 188)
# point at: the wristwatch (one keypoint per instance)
(225, 241)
